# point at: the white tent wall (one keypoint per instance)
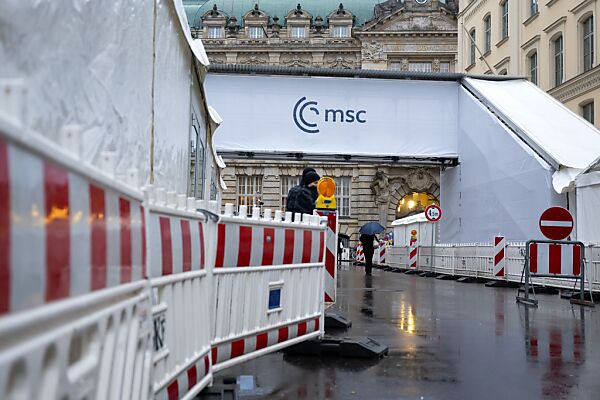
(588, 208)
(78, 61)
(270, 112)
(107, 75)
(172, 99)
(501, 187)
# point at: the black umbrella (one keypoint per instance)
(371, 228)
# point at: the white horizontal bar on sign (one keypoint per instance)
(43, 147)
(15, 324)
(259, 268)
(181, 276)
(277, 224)
(567, 224)
(265, 329)
(176, 212)
(250, 356)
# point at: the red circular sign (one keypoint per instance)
(556, 223)
(433, 213)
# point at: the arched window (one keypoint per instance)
(533, 67)
(487, 31)
(504, 14)
(472, 49)
(588, 43)
(414, 203)
(558, 58)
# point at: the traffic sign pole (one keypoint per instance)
(433, 213)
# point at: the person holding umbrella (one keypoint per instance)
(367, 235)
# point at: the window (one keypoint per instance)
(533, 68)
(420, 67)
(533, 7)
(444, 67)
(287, 182)
(340, 31)
(472, 48)
(414, 203)
(504, 8)
(558, 60)
(214, 32)
(342, 195)
(256, 32)
(396, 66)
(588, 44)
(197, 137)
(487, 26)
(298, 32)
(249, 189)
(588, 112)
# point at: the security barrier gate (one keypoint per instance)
(111, 292)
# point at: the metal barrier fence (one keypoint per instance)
(477, 260)
(110, 292)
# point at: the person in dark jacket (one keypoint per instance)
(368, 250)
(302, 198)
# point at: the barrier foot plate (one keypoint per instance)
(226, 389)
(569, 294)
(544, 290)
(580, 302)
(444, 277)
(336, 321)
(398, 270)
(527, 302)
(361, 347)
(506, 284)
(411, 271)
(467, 279)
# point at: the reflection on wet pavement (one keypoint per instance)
(447, 340)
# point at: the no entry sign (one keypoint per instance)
(556, 223)
(433, 213)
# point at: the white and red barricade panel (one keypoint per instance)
(382, 249)
(331, 243)
(413, 254)
(360, 255)
(555, 259)
(61, 233)
(246, 244)
(499, 256)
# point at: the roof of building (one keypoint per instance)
(363, 10)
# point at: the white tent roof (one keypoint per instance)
(410, 220)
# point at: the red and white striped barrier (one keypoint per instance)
(382, 249)
(267, 273)
(225, 352)
(360, 255)
(413, 255)
(331, 254)
(244, 243)
(63, 234)
(557, 259)
(499, 256)
(193, 377)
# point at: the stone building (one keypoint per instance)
(551, 42)
(407, 35)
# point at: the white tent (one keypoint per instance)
(127, 87)
(404, 226)
(506, 149)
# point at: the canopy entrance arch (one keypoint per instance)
(502, 161)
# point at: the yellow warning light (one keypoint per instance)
(326, 190)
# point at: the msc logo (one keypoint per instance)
(308, 109)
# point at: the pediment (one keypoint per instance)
(403, 20)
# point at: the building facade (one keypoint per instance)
(552, 42)
(411, 35)
(406, 35)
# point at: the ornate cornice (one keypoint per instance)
(577, 86)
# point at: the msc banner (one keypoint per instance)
(334, 115)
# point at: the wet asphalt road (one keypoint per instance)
(447, 340)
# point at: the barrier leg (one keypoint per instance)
(582, 301)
